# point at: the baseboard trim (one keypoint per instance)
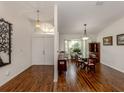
(112, 67)
(12, 77)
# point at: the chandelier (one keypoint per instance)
(85, 37)
(38, 23)
(44, 27)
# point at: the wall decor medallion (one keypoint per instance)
(120, 39)
(108, 40)
(5, 42)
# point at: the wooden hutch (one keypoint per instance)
(94, 51)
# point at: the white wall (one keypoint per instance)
(113, 56)
(21, 43)
(64, 37)
(56, 43)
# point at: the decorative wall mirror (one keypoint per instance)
(5, 42)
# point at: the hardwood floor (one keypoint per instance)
(34, 79)
(40, 78)
(76, 79)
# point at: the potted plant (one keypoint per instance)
(77, 51)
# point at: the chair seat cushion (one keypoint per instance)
(91, 64)
(86, 63)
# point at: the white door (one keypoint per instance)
(43, 51)
(49, 51)
(38, 51)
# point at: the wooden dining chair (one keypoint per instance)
(76, 60)
(91, 64)
(80, 62)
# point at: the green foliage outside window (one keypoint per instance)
(77, 50)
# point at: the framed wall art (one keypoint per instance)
(120, 39)
(108, 40)
(5, 42)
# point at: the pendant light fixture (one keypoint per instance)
(38, 23)
(85, 37)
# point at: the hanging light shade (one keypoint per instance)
(38, 23)
(85, 37)
(47, 28)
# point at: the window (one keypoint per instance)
(76, 45)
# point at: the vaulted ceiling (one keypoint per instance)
(97, 15)
(28, 9)
(72, 15)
